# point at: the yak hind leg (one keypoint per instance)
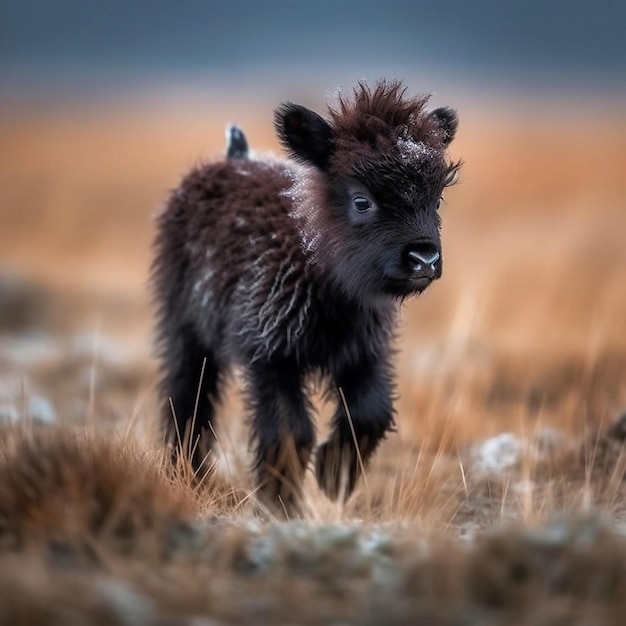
(191, 386)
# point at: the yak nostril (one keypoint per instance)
(421, 259)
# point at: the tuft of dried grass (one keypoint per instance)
(68, 491)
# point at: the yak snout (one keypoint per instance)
(423, 260)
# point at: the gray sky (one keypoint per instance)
(555, 44)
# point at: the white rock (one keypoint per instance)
(41, 410)
(497, 454)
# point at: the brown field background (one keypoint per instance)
(524, 332)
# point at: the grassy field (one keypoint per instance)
(500, 500)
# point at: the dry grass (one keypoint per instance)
(94, 530)
(524, 335)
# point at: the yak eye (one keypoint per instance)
(441, 199)
(362, 204)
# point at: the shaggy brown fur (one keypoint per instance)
(293, 270)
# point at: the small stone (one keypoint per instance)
(41, 410)
(497, 454)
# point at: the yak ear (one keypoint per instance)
(307, 136)
(448, 121)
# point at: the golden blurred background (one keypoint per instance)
(104, 110)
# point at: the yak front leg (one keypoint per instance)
(284, 435)
(363, 416)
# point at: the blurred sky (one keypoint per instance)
(73, 48)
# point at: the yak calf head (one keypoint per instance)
(370, 200)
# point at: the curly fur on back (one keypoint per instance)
(296, 268)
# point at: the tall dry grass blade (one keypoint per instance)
(354, 439)
(179, 438)
(463, 478)
(195, 409)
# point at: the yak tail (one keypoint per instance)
(236, 143)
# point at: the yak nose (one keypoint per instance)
(424, 260)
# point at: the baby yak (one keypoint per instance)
(295, 270)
